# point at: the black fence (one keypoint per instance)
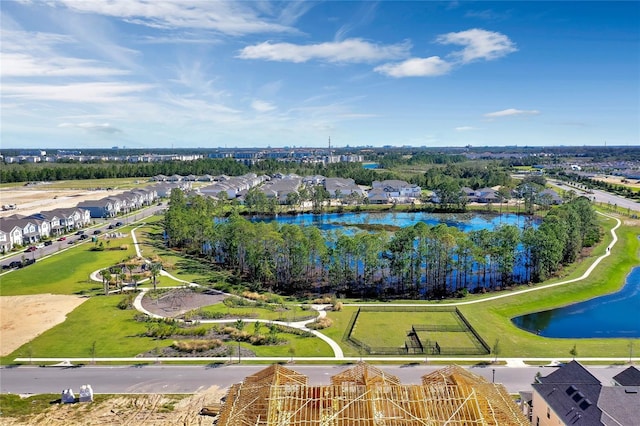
(413, 344)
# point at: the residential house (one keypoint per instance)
(103, 208)
(5, 243)
(487, 195)
(548, 196)
(571, 395)
(13, 233)
(628, 377)
(398, 190)
(378, 196)
(55, 228)
(343, 187)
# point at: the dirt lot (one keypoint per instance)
(130, 410)
(22, 318)
(631, 183)
(37, 199)
(176, 302)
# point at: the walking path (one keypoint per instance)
(337, 350)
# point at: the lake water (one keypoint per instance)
(613, 315)
(334, 221)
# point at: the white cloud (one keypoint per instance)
(416, 67)
(93, 127)
(228, 17)
(262, 106)
(478, 44)
(510, 112)
(350, 50)
(465, 128)
(98, 92)
(25, 65)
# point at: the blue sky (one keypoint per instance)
(149, 73)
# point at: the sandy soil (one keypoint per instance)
(631, 183)
(130, 410)
(22, 318)
(37, 199)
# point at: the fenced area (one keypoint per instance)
(413, 330)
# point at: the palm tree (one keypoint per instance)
(155, 271)
(106, 279)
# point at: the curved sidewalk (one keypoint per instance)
(337, 350)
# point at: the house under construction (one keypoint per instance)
(365, 395)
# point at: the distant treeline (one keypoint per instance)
(10, 173)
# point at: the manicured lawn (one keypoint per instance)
(115, 331)
(118, 334)
(183, 267)
(389, 329)
(492, 319)
(65, 273)
(115, 183)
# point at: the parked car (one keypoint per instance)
(80, 232)
(48, 243)
(15, 264)
(40, 245)
(28, 262)
(71, 241)
(62, 238)
(97, 232)
(84, 237)
(119, 223)
(30, 249)
(111, 226)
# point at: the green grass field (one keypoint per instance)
(390, 329)
(492, 319)
(65, 273)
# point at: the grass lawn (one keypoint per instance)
(118, 334)
(373, 328)
(65, 273)
(492, 319)
(115, 331)
(183, 267)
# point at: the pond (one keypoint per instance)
(613, 315)
(465, 222)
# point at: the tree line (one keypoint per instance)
(418, 261)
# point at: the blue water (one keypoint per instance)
(613, 315)
(334, 221)
(370, 166)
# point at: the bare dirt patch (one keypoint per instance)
(130, 410)
(32, 200)
(22, 318)
(616, 180)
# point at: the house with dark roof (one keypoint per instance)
(571, 395)
(629, 377)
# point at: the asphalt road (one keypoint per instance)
(189, 379)
(599, 196)
(72, 240)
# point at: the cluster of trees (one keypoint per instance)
(416, 261)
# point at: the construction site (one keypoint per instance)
(366, 395)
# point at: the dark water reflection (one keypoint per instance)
(613, 315)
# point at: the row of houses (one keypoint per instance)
(120, 204)
(279, 187)
(18, 230)
(491, 195)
